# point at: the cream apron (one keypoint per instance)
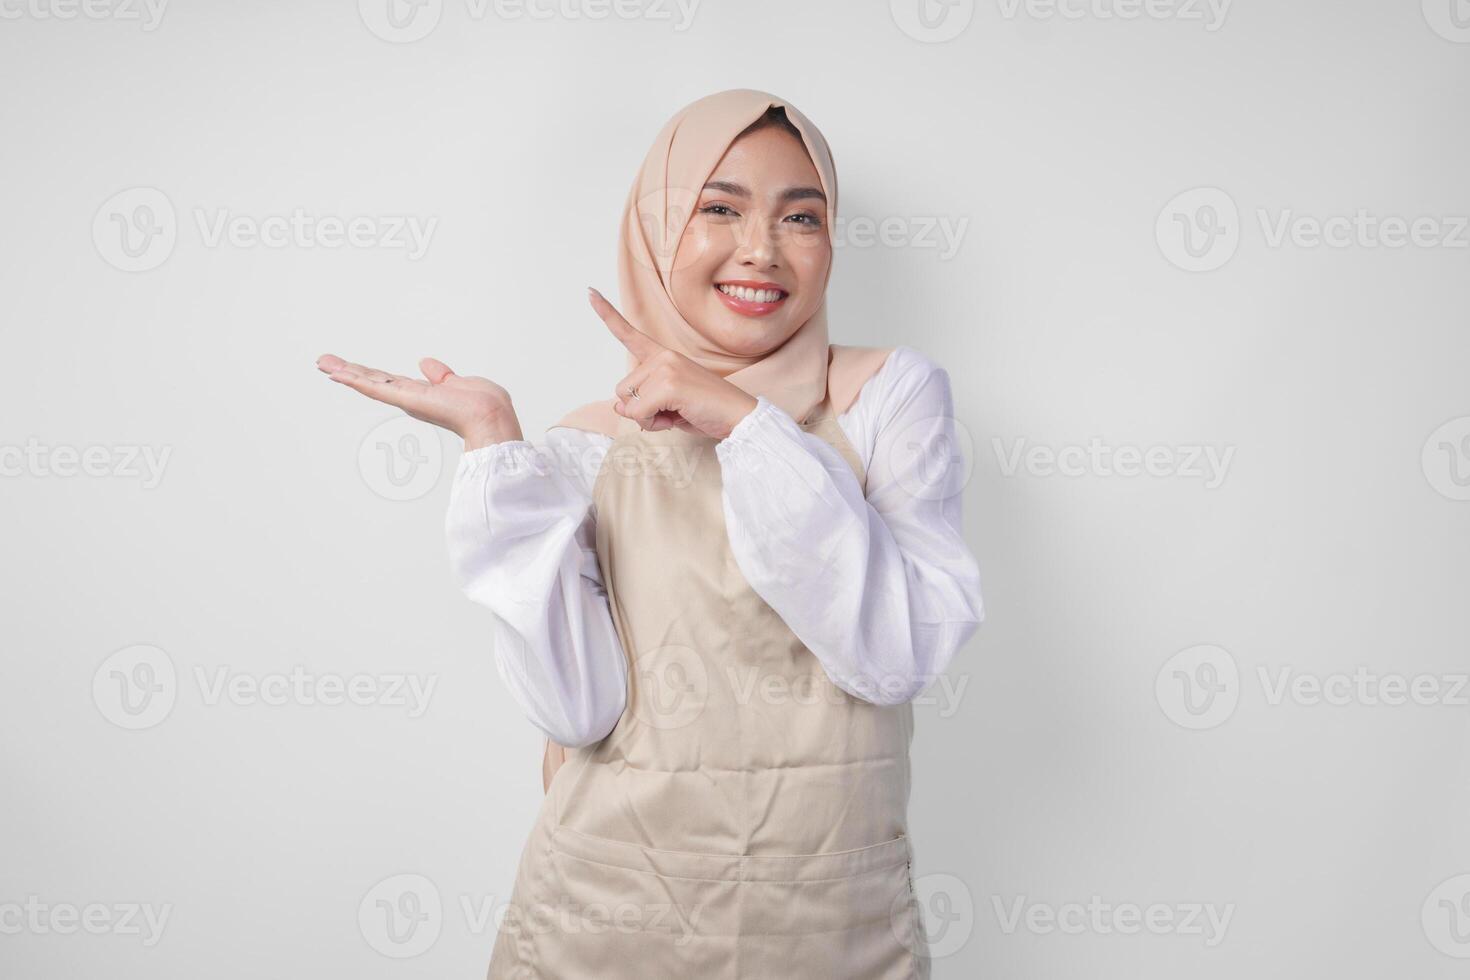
(746, 818)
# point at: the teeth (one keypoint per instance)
(750, 295)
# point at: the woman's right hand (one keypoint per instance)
(476, 409)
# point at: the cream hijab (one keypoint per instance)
(795, 376)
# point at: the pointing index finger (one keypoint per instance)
(639, 343)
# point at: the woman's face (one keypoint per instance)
(752, 263)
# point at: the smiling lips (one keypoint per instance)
(749, 297)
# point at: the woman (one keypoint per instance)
(720, 589)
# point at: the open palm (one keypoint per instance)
(476, 409)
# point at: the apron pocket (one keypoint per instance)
(609, 905)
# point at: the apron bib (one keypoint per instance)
(746, 818)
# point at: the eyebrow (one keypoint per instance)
(787, 196)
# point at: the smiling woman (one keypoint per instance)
(722, 647)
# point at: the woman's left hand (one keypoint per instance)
(674, 392)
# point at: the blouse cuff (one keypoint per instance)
(509, 456)
(762, 424)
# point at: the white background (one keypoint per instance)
(1077, 762)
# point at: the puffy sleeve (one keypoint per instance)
(520, 529)
(880, 586)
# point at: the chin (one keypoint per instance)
(748, 336)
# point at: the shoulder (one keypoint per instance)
(907, 385)
(907, 360)
(905, 374)
(849, 369)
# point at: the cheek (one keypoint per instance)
(695, 264)
(684, 283)
(699, 249)
(810, 261)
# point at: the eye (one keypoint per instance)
(719, 209)
(805, 218)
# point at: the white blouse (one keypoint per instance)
(882, 589)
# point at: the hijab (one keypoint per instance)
(659, 206)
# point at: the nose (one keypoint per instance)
(758, 248)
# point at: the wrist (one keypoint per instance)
(745, 406)
(487, 432)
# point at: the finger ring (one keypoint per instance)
(632, 391)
